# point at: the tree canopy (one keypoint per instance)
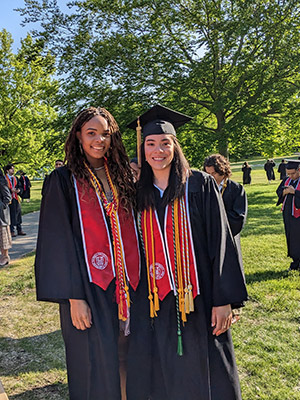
(233, 65)
(27, 93)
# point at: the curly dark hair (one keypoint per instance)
(220, 164)
(180, 170)
(117, 159)
(7, 167)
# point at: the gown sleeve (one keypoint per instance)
(237, 213)
(279, 192)
(228, 282)
(57, 269)
(6, 195)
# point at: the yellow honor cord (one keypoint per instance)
(179, 265)
(150, 297)
(111, 209)
(189, 294)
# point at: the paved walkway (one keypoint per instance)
(25, 244)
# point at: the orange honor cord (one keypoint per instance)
(186, 250)
(178, 262)
(111, 209)
(150, 296)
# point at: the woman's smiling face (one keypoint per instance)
(159, 151)
(95, 139)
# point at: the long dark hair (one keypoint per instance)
(117, 159)
(179, 172)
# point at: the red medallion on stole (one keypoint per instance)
(102, 258)
(171, 255)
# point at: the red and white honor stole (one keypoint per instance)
(295, 211)
(170, 256)
(107, 259)
(12, 186)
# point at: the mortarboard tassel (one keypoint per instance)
(138, 141)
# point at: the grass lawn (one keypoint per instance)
(35, 198)
(267, 339)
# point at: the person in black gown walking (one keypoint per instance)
(269, 168)
(246, 173)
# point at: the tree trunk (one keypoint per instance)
(223, 147)
(221, 134)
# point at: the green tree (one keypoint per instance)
(233, 64)
(27, 94)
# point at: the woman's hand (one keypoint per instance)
(80, 314)
(221, 319)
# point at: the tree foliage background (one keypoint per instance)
(27, 93)
(232, 65)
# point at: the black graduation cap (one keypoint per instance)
(156, 121)
(292, 164)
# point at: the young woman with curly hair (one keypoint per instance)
(87, 254)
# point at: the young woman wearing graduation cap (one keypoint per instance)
(87, 256)
(192, 267)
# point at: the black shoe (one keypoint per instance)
(13, 234)
(21, 233)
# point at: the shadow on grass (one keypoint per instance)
(264, 218)
(56, 391)
(262, 198)
(266, 276)
(38, 353)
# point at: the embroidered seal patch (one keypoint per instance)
(100, 260)
(159, 271)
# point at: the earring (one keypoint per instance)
(80, 148)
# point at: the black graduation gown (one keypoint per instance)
(269, 168)
(61, 274)
(282, 170)
(236, 206)
(246, 175)
(25, 183)
(291, 224)
(5, 199)
(207, 369)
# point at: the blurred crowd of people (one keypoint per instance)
(14, 189)
(268, 167)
